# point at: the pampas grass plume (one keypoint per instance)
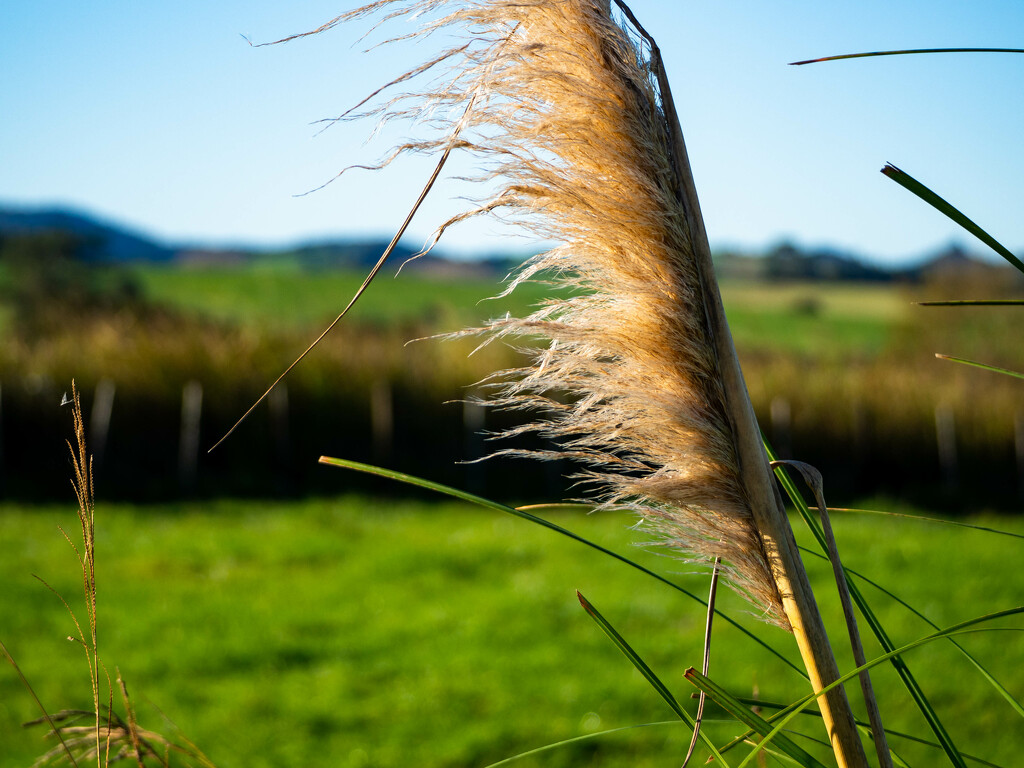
(633, 373)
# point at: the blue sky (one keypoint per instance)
(160, 115)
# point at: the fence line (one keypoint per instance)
(782, 427)
(945, 434)
(188, 453)
(99, 421)
(382, 420)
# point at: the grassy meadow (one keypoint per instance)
(362, 631)
(359, 631)
(797, 317)
(852, 365)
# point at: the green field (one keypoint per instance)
(362, 632)
(815, 318)
(275, 297)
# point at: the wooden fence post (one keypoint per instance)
(382, 420)
(188, 453)
(945, 434)
(277, 402)
(474, 419)
(782, 427)
(1018, 444)
(99, 420)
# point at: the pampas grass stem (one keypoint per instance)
(636, 376)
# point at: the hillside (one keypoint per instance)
(110, 243)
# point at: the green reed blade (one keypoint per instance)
(578, 739)
(904, 53)
(922, 518)
(1000, 688)
(909, 681)
(973, 303)
(447, 490)
(964, 627)
(908, 182)
(647, 672)
(744, 714)
(983, 366)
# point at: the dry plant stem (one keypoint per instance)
(369, 278)
(813, 479)
(755, 473)
(712, 594)
(82, 482)
(373, 272)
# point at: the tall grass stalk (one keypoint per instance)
(635, 374)
(99, 733)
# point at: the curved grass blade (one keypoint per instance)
(908, 182)
(964, 627)
(973, 303)
(648, 674)
(447, 490)
(746, 716)
(922, 518)
(909, 681)
(784, 708)
(983, 366)
(1000, 688)
(904, 53)
(578, 739)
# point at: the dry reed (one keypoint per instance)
(635, 375)
(558, 101)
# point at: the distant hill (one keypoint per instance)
(107, 242)
(101, 241)
(787, 262)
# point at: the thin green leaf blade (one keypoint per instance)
(447, 490)
(879, 631)
(922, 518)
(786, 708)
(908, 182)
(577, 740)
(746, 716)
(904, 52)
(999, 687)
(983, 366)
(646, 671)
(963, 627)
(973, 303)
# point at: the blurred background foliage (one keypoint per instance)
(839, 361)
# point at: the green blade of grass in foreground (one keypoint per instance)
(999, 687)
(904, 53)
(983, 366)
(908, 182)
(578, 739)
(922, 518)
(447, 490)
(785, 708)
(879, 631)
(744, 715)
(964, 627)
(973, 303)
(647, 672)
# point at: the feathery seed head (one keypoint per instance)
(559, 102)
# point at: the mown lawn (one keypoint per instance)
(367, 632)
